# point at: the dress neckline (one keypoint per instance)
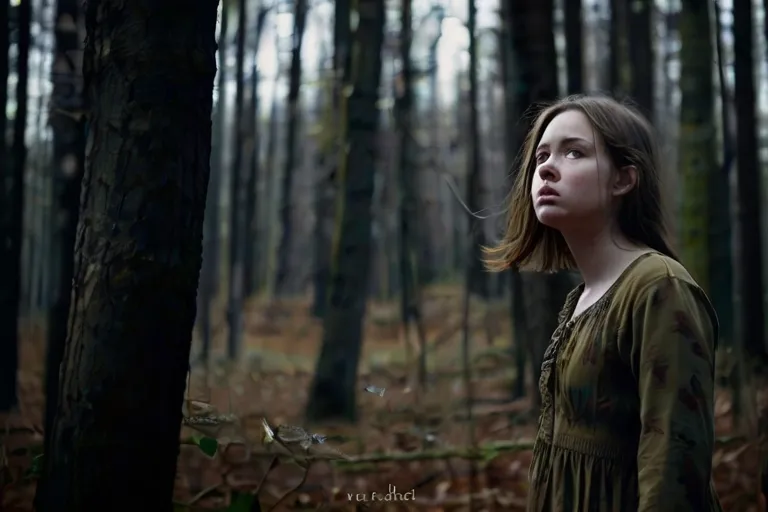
(573, 297)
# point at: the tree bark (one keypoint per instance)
(211, 269)
(409, 216)
(641, 52)
(751, 322)
(478, 282)
(252, 238)
(333, 389)
(237, 200)
(67, 120)
(534, 51)
(513, 111)
(11, 217)
(698, 140)
(294, 87)
(327, 187)
(138, 255)
(574, 46)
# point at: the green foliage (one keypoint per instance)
(241, 502)
(207, 445)
(36, 468)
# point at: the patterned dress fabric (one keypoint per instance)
(627, 399)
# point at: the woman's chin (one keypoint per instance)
(551, 216)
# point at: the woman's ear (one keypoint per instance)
(625, 179)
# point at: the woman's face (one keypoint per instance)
(572, 184)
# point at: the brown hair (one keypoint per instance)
(629, 140)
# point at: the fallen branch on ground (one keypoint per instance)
(483, 452)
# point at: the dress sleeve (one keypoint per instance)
(674, 329)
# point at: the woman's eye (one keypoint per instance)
(573, 153)
(541, 157)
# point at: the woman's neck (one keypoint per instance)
(602, 255)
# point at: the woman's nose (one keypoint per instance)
(547, 173)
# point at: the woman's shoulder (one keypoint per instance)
(653, 270)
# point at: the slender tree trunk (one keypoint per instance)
(211, 270)
(698, 139)
(641, 52)
(138, 256)
(270, 158)
(68, 164)
(286, 237)
(574, 44)
(341, 42)
(11, 218)
(479, 282)
(515, 134)
(252, 190)
(323, 202)
(333, 389)
(237, 200)
(409, 215)
(536, 77)
(8, 347)
(752, 316)
(750, 321)
(619, 65)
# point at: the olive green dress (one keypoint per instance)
(627, 399)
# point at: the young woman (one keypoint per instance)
(627, 382)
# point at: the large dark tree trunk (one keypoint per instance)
(68, 165)
(294, 86)
(333, 389)
(534, 49)
(11, 217)
(138, 255)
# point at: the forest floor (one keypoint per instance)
(414, 442)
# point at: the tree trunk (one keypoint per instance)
(11, 221)
(574, 43)
(409, 215)
(534, 51)
(640, 50)
(267, 275)
(513, 110)
(211, 270)
(333, 389)
(721, 240)
(750, 279)
(323, 204)
(294, 86)
(323, 194)
(237, 200)
(251, 265)
(138, 255)
(479, 282)
(68, 164)
(619, 65)
(698, 140)
(750, 321)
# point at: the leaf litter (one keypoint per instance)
(244, 437)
